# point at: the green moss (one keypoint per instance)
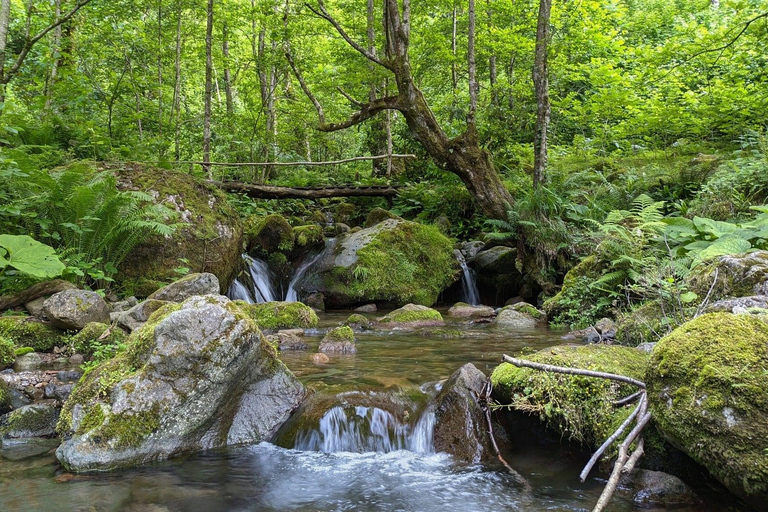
(129, 430)
(266, 235)
(343, 333)
(308, 237)
(410, 314)
(280, 315)
(377, 215)
(22, 351)
(7, 353)
(356, 319)
(579, 408)
(93, 418)
(708, 391)
(90, 339)
(528, 309)
(24, 332)
(346, 213)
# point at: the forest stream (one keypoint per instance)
(383, 468)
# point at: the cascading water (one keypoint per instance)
(293, 292)
(469, 292)
(363, 429)
(255, 284)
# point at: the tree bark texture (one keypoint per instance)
(541, 87)
(208, 86)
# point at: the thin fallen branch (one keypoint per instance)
(640, 416)
(294, 164)
(573, 371)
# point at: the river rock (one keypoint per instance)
(35, 420)
(136, 316)
(319, 358)
(268, 235)
(188, 286)
(315, 301)
(199, 376)
(607, 329)
(708, 393)
(72, 309)
(411, 316)
(276, 315)
(656, 489)
(464, 310)
(340, 340)
(36, 307)
(498, 278)
(471, 249)
(739, 304)
(394, 261)
(367, 308)
(358, 322)
(460, 425)
(287, 340)
(31, 332)
(510, 318)
(740, 275)
(28, 362)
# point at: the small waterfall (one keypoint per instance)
(293, 292)
(255, 284)
(367, 429)
(469, 292)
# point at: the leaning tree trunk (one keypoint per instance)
(462, 155)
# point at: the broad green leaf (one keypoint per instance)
(688, 297)
(31, 257)
(724, 246)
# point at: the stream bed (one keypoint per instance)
(398, 477)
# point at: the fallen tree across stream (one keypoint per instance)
(274, 192)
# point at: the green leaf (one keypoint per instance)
(31, 257)
(688, 297)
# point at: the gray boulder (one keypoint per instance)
(287, 340)
(35, 420)
(136, 316)
(464, 310)
(510, 318)
(340, 340)
(460, 425)
(188, 286)
(199, 376)
(72, 309)
(470, 249)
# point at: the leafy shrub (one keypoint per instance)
(24, 260)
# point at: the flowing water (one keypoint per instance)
(255, 284)
(293, 294)
(469, 292)
(362, 443)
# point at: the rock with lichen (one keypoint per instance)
(708, 392)
(411, 316)
(198, 375)
(30, 332)
(72, 309)
(203, 283)
(34, 420)
(464, 310)
(395, 262)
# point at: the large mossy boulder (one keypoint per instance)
(267, 235)
(577, 407)
(307, 238)
(574, 305)
(31, 332)
(280, 315)
(643, 324)
(394, 262)
(34, 420)
(97, 337)
(203, 283)
(7, 353)
(209, 237)
(340, 340)
(708, 392)
(199, 375)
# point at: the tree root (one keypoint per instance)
(640, 416)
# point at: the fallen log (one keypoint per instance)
(35, 292)
(274, 192)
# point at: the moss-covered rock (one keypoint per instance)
(643, 324)
(267, 235)
(93, 338)
(394, 262)
(377, 215)
(576, 304)
(30, 332)
(358, 322)
(209, 237)
(307, 238)
(577, 407)
(339, 340)
(35, 420)
(7, 353)
(22, 351)
(708, 392)
(197, 375)
(346, 213)
(411, 316)
(280, 315)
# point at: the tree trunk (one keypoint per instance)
(208, 87)
(160, 72)
(56, 47)
(177, 88)
(5, 21)
(267, 75)
(493, 73)
(541, 86)
(472, 67)
(227, 73)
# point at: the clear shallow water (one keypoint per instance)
(271, 478)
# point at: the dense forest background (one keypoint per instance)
(657, 112)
